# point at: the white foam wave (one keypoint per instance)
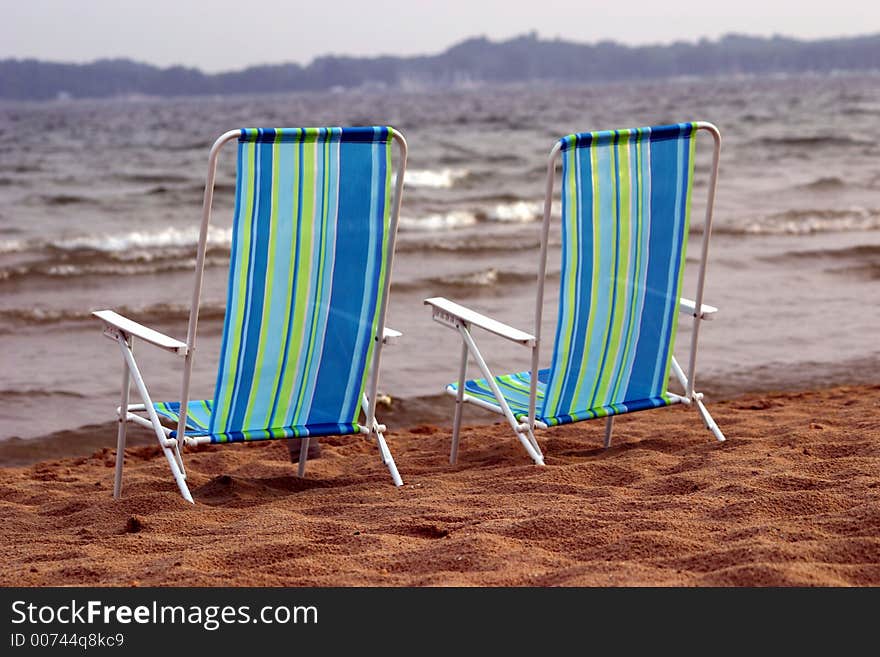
(11, 246)
(442, 179)
(485, 278)
(454, 219)
(797, 222)
(165, 238)
(517, 212)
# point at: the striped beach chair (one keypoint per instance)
(310, 269)
(626, 197)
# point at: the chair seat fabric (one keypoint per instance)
(515, 390)
(309, 261)
(625, 221)
(198, 419)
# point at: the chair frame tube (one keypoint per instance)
(192, 327)
(122, 419)
(524, 433)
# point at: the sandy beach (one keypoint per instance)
(793, 498)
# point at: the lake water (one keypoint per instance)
(100, 204)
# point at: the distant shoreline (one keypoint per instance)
(471, 63)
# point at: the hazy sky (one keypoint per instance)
(230, 34)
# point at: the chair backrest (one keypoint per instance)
(311, 247)
(625, 218)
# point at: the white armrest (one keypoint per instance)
(389, 335)
(690, 307)
(450, 314)
(114, 324)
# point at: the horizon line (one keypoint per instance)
(533, 35)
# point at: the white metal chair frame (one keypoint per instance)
(462, 319)
(123, 330)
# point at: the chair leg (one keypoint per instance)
(709, 421)
(120, 458)
(536, 457)
(179, 458)
(609, 428)
(387, 459)
(384, 452)
(122, 419)
(698, 402)
(179, 477)
(459, 403)
(534, 442)
(303, 456)
(471, 346)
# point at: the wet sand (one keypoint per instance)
(793, 498)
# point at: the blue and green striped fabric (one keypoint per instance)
(307, 272)
(625, 218)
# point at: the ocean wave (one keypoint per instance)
(65, 199)
(442, 179)
(111, 267)
(438, 221)
(861, 110)
(485, 279)
(12, 246)
(495, 196)
(148, 314)
(121, 254)
(466, 157)
(467, 243)
(153, 178)
(868, 271)
(512, 212)
(825, 183)
(813, 141)
(859, 261)
(517, 212)
(38, 392)
(40, 316)
(488, 277)
(170, 236)
(804, 222)
(859, 251)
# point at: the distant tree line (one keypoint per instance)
(478, 60)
